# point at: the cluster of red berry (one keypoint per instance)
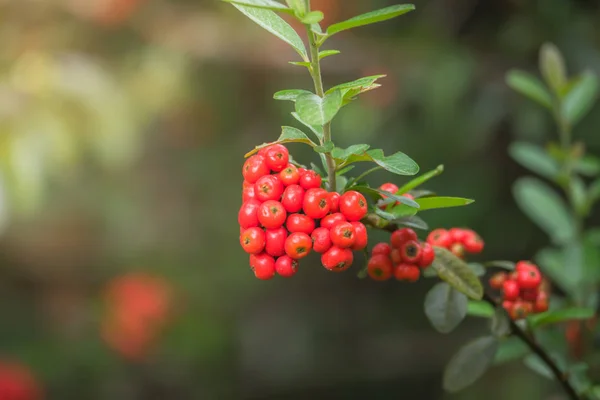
(523, 290)
(17, 383)
(458, 240)
(286, 214)
(403, 257)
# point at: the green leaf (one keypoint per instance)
(529, 86)
(324, 148)
(508, 265)
(342, 155)
(552, 263)
(457, 273)
(344, 171)
(327, 53)
(273, 23)
(298, 6)
(376, 194)
(553, 67)
(317, 130)
(511, 349)
(537, 365)
(588, 165)
(316, 110)
(480, 309)
(544, 207)
(398, 163)
(290, 94)
(357, 84)
(580, 99)
(403, 211)
(594, 191)
(393, 197)
(419, 180)
(578, 194)
(535, 159)
(313, 17)
(412, 221)
(430, 203)
(470, 363)
(300, 63)
(500, 325)
(370, 18)
(267, 4)
(445, 307)
(553, 317)
(477, 269)
(288, 135)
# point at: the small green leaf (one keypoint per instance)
(273, 23)
(419, 180)
(268, 4)
(578, 195)
(317, 130)
(288, 135)
(313, 17)
(511, 349)
(298, 6)
(316, 110)
(477, 269)
(552, 263)
(457, 273)
(580, 99)
(529, 86)
(300, 63)
(357, 84)
(553, 67)
(324, 148)
(343, 154)
(535, 159)
(344, 171)
(445, 307)
(537, 365)
(403, 211)
(413, 221)
(588, 165)
(327, 53)
(500, 325)
(508, 265)
(545, 208)
(376, 194)
(430, 203)
(370, 18)
(480, 309)
(398, 163)
(553, 317)
(290, 94)
(470, 363)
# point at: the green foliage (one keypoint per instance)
(266, 4)
(580, 97)
(316, 110)
(529, 86)
(457, 273)
(553, 67)
(290, 94)
(499, 324)
(566, 314)
(470, 363)
(370, 18)
(327, 53)
(535, 159)
(352, 89)
(445, 307)
(480, 309)
(418, 181)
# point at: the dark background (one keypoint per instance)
(123, 125)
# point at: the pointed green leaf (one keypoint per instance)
(535, 363)
(370, 18)
(343, 154)
(317, 130)
(552, 66)
(305, 64)
(430, 203)
(445, 307)
(289, 94)
(413, 221)
(316, 110)
(327, 53)
(267, 4)
(535, 159)
(288, 135)
(376, 194)
(508, 265)
(580, 99)
(357, 84)
(545, 208)
(324, 148)
(457, 273)
(511, 349)
(500, 325)
(529, 86)
(553, 317)
(470, 363)
(477, 269)
(419, 180)
(273, 23)
(398, 163)
(299, 6)
(313, 17)
(480, 309)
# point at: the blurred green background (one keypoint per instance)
(123, 125)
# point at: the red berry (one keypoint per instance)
(289, 175)
(507, 305)
(321, 240)
(268, 187)
(342, 234)
(407, 272)
(248, 214)
(458, 250)
(401, 236)
(411, 252)
(310, 180)
(439, 237)
(275, 241)
(361, 237)
(458, 235)
(381, 248)
(298, 245)
(292, 198)
(541, 303)
(337, 259)
(263, 266)
(520, 310)
(302, 170)
(277, 157)
(511, 290)
(286, 266)
(396, 256)
(248, 194)
(334, 201)
(316, 204)
(253, 240)
(332, 219)
(380, 267)
(524, 265)
(271, 214)
(529, 278)
(387, 187)
(254, 168)
(427, 255)
(246, 185)
(529, 294)
(497, 280)
(300, 223)
(408, 196)
(473, 243)
(353, 205)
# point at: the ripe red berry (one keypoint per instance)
(316, 204)
(321, 240)
(396, 256)
(520, 310)
(524, 265)
(529, 294)
(277, 157)
(507, 305)
(380, 267)
(458, 235)
(300, 223)
(246, 185)
(298, 245)
(254, 168)
(387, 187)
(248, 194)
(473, 242)
(411, 252)
(342, 234)
(337, 259)
(289, 175)
(381, 248)
(263, 266)
(401, 236)
(292, 198)
(268, 187)
(286, 266)
(275, 241)
(334, 202)
(271, 214)
(353, 205)
(427, 255)
(511, 290)
(529, 278)
(458, 250)
(332, 219)
(541, 303)
(497, 280)
(407, 272)
(310, 180)
(248, 214)
(253, 240)
(439, 237)
(361, 237)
